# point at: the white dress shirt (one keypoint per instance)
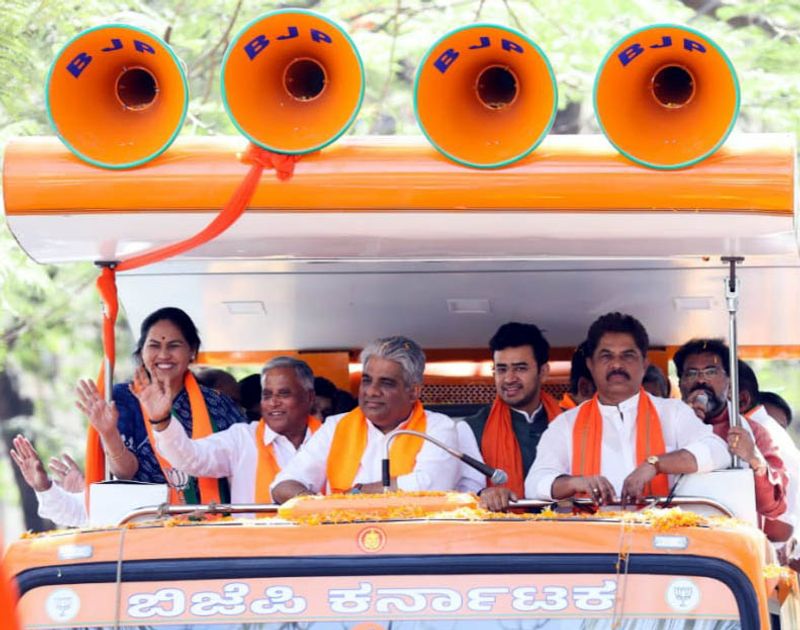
(470, 480)
(231, 453)
(681, 429)
(63, 508)
(790, 455)
(435, 469)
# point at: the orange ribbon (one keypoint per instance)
(259, 159)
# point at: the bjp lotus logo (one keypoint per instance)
(371, 539)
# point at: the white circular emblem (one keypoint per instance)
(683, 595)
(63, 604)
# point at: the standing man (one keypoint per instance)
(251, 454)
(508, 430)
(623, 442)
(345, 455)
(703, 367)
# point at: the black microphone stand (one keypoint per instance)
(497, 475)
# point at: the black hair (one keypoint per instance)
(214, 377)
(771, 398)
(250, 392)
(324, 387)
(514, 335)
(616, 323)
(653, 374)
(578, 368)
(748, 381)
(700, 346)
(174, 315)
(343, 402)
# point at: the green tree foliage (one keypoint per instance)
(49, 316)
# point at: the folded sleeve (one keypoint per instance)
(211, 456)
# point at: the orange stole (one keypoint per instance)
(749, 414)
(567, 402)
(267, 466)
(350, 441)
(587, 440)
(499, 445)
(551, 406)
(201, 427)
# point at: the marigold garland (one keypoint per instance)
(401, 507)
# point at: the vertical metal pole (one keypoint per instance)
(732, 284)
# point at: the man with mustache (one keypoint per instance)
(703, 367)
(623, 442)
(251, 454)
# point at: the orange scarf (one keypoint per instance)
(267, 466)
(551, 406)
(350, 441)
(587, 440)
(500, 447)
(749, 414)
(567, 402)
(201, 427)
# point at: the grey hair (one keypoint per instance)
(401, 350)
(304, 372)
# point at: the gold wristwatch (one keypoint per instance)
(653, 459)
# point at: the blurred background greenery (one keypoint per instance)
(49, 316)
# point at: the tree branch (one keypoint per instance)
(710, 8)
(222, 42)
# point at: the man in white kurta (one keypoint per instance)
(434, 470)
(286, 398)
(388, 399)
(680, 427)
(616, 356)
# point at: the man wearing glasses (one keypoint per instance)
(703, 368)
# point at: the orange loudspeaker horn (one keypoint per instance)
(292, 81)
(117, 96)
(485, 95)
(666, 96)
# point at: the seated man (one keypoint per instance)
(251, 454)
(623, 442)
(703, 366)
(508, 430)
(345, 454)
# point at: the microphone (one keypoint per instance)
(496, 475)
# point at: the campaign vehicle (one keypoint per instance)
(669, 219)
